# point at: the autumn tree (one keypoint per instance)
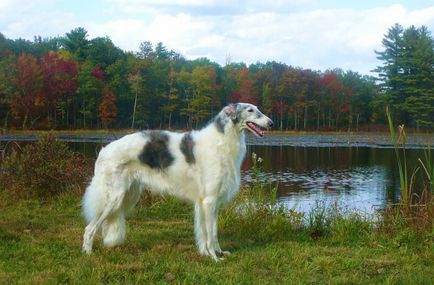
(30, 100)
(244, 91)
(199, 89)
(59, 85)
(262, 85)
(337, 99)
(287, 97)
(8, 85)
(107, 108)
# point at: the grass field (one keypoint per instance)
(40, 244)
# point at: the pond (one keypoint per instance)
(359, 172)
(362, 179)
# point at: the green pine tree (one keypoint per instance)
(407, 74)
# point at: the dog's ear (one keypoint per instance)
(231, 111)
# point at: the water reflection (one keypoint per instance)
(362, 179)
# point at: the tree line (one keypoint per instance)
(73, 82)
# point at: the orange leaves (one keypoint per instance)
(107, 108)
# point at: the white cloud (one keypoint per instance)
(206, 7)
(284, 31)
(125, 34)
(33, 19)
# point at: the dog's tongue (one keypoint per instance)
(256, 130)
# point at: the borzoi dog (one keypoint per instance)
(199, 166)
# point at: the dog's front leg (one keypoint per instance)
(209, 207)
(200, 229)
(216, 246)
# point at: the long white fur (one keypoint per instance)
(210, 182)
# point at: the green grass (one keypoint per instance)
(40, 243)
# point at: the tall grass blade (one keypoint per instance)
(428, 167)
(402, 166)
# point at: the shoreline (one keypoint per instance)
(293, 139)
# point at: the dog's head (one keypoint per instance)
(244, 116)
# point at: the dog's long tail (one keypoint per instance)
(93, 201)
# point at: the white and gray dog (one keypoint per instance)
(199, 166)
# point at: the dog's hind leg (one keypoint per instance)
(92, 228)
(114, 203)
(114, 228)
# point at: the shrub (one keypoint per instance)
(44, 169)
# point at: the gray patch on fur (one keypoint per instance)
(235, 117)
(238, 110)
(220, 124)
(235, 120)
(156, 152)
(186, 146)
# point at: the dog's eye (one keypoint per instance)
(250, 110)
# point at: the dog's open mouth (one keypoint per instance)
(256, 129)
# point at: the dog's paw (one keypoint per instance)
(217, 257)
(86, 249)
(225, 252)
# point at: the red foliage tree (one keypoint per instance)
(107, 108)
(30, 100)
(60, 81)
(245, 92)
(336, 96)
(98, 73)
(280, 108)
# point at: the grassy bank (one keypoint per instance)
(40, 244)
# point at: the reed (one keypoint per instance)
(399, 147)
(428, 166)
(415, 210)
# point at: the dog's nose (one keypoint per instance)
(270, 123)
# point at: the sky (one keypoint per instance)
(311, 34)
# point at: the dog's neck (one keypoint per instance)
(225, 125)
(228, 132)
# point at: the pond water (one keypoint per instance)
(360, 173)
(362, 179)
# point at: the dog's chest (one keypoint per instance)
(231, 174)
